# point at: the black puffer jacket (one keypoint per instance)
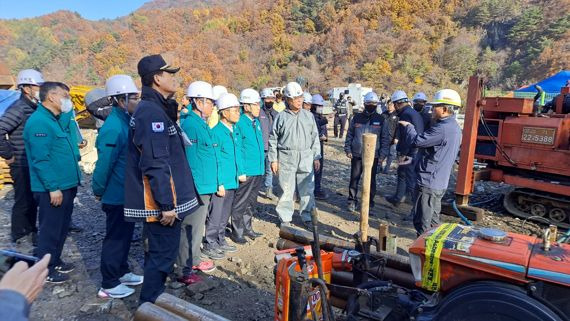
(12, 124)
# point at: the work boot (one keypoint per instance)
(351, 206)
(238, 240)
(213, 254)
(321, 195)
(226, 248)
(393, 201)
(286, 224)
(252, 234)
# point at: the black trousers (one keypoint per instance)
(356, 168)
(54, 225)
(25, 209)
(242, 213)
(218, 217)
(339, 121)
(163, 242)
(116, 246)
(319, 173)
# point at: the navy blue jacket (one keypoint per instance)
(266, 117)
(410, 115)
(361, 124)
(157, 174)
(438, 148)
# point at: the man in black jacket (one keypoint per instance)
(368, 121)
(317, 103)
(388, 137)
(24, 211)
(159, 186)
(406, 151)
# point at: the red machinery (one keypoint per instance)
(532, 153)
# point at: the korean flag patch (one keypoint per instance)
(158, 127)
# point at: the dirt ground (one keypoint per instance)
(242, 287)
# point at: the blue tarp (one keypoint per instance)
(7, 97)
(549, 85)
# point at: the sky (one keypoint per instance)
(88, 9)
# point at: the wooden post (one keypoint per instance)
(368, 151)
(382, 237)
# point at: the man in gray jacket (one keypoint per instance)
(24, 211)
(294, 151)
(438, 148)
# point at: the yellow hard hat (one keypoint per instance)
(447, 97)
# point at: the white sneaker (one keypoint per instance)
(118, 292)
(131, 279)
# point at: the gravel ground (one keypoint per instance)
(242, 286)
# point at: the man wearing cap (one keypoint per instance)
(294, 153)
(438, 148)
(109, 185)
(98, 105)
(12, 149)
(159, 188)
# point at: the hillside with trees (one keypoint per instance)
(386, 44)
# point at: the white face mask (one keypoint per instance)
(319, 110)
(37, 96)
(66, 105)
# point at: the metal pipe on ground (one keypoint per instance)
(186, 309)
(304, 237)
(150, 312)
(397, 277)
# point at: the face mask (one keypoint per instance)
(319, 110)
(66, 105)
(37, 96)
(369, 109)
(268, 105)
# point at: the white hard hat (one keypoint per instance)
(447, 97)
(307, 98)
(371, 98)
(218, 91)
(399, 96)
(200, 89)
(120, 84)
(249, 96)
(267, 93)
(293, 90)
(420, 97)
(30, 77)
(226, 101)
(318, 100)
(93, 95)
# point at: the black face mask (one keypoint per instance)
(172, 109)
(369, 109)
(268, 105)
(419, 107)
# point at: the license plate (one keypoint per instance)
(537, 135)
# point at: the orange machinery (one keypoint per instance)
(532, 153)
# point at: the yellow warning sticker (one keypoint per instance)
(434, 245)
